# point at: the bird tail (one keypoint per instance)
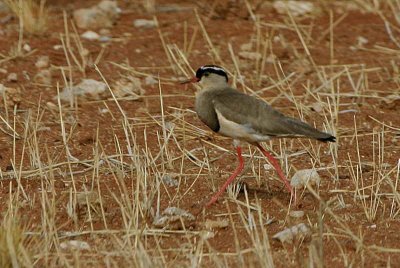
(328, 137)
(305, 130)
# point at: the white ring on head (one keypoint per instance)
(213, 68)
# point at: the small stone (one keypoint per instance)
(105, 31)
(12, 77)
(51, 105)
(26, 75)
(317, 107)
(297, 8)
(104, 39)
(102, 15)
(90, 35)
(172, 218)
(27, 48)
(204, 234)
(246, 47)
(88, 87)
(3, 71)
(170, 125)
(289, 234)
(130, 86)
(303, 177)
(268, 167)
(13, 96)
(42, 62)
(74, 244)
(170, 180)
(170, 8)
(250, 55)
(216, 224)
(296, 213)
(57, 47)
(43, 77)
(361, 41)
(143, 23)
(150, 80)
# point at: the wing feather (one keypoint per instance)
(258, 115)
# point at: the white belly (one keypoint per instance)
(238, 131)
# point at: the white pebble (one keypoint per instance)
(142, 23)
(303, 177)
(289, 234)
(90, 35)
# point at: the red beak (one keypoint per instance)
(193, 80)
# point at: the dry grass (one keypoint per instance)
(33, 15)
(111, 193)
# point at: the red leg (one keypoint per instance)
(278, 169)
(230, 179)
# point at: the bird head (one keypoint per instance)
(209, 77)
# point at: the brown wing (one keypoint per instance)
(258, 115)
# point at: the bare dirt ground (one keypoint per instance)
(82, 181)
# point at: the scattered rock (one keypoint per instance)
(270, 59)
(87, 206)
(317, 107)
(75, 244)
(42, 62)
(170, 125)
(268, 167)
(102, 15)
(391, 101)
(89, 88)
(104, 111)
(170, 180)
(11, 95)
(361, 41)
(104, 39)
(129, 86)
(250, 55)
(296, 213)
(27, 48)
(12, 77)
(171, 8)
(246, 46)
(348, 111)
(143, 23)
(51, 105)
(105, 31)
(296, 8)
(301, 65)
(218, 224)
(90, 35)
(57, 47)
(150, 80)
(43, 77)
(173, 218)
(3, 71)
(205, 234)
(289, 234)
(26, 75)
(303, 177)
